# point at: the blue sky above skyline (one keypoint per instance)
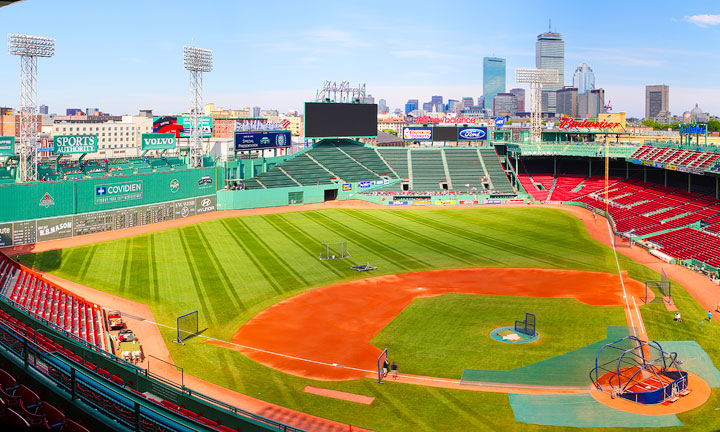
(126, 56)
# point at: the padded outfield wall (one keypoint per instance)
(52, 210)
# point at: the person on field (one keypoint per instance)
(385, 368)
(678, 317)
(394, 370)
(709, 315)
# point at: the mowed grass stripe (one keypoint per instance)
(127, 256)
(258, 263)
(523, 250)
(280, 265)
(140, 266)
(213, 281)
(300, 238)
(395, 257)
(88, 261)
(463, 255)
(154, 276)
(217, 264)
(194, 271)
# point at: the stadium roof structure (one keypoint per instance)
(9, 2)
(386, 138)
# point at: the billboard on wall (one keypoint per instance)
(7, 145)
(414, 133)
(261, 140)
(180, 126)
(157, 141)
(69, 144)
(472, 134)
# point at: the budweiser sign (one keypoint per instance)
(446, 120)
(569, 122)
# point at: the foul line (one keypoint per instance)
(415, 377)
(637, 311)
(622, 282)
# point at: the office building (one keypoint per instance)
(567, 101)
(550, 54)
(467, 102)
(382, 106)
(520, 96)
(657, 101)
(411, 105)
(44, 109)
(591, 103)
(584, 78)
(115, 138)
(256, 112)
(504, 104)
(493, 79)
(74, 111)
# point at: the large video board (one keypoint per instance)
(330, 120)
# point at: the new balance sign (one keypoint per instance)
(118, 192)
(156, 141)
(67, 144)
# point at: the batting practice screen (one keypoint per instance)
(331, 120)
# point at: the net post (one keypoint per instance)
(381, 372)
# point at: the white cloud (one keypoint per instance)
(704, 20)
(336, 37)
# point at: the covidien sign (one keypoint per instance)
(118, 192)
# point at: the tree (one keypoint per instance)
(390, 131)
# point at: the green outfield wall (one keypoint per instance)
(49, 199)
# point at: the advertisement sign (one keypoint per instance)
(398, 202)
(465, 202)
(364, 185)
(492, 202)
(446, 120)
(68, 144)
(54, 228)
(7, 145)
(156, 141)
(500, 122)
(6, 231)
(671, 167)
(472, 133)
(381, 182)
(569, 122)
(180, 126)
(693, 128)
(514, 201)
(118, 192)
(261, 140)
(346, 187)
(413, 133)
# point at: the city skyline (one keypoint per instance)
(134, 61)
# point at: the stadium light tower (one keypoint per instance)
(29, 48)
(197, 61)
(536, 78)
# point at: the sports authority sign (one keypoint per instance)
(157, 141)
(118, 192)
(569, 122)
(7, 145)
(68, 144)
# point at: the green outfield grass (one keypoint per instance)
(233, 268)
(441, 336)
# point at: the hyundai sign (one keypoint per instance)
(259, 140)
(417, 133)
(472, 133)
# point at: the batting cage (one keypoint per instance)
(187, 326)
(639, 371)
(658, 291)
(330, 251)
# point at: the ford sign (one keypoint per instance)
(472, 133)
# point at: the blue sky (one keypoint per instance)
(125, 56)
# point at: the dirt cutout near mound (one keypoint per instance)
(333, 325)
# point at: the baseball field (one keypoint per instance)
(232, 269)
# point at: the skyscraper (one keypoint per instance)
(493, 79)
(550, 54)
(657, 101)
(520, 95)
(382, 106)
(584, 78)
(567, 101)
(411, 105)
(504, 104)
(43, 109)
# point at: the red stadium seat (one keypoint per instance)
(72, 426)
(11, 417)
